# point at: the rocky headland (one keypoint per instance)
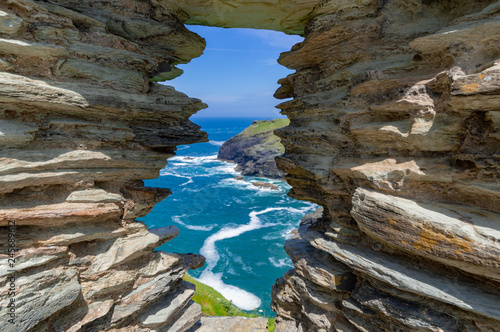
(394, 130)
(255, 148)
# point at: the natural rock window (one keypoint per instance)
(394, 132)
(239, 223)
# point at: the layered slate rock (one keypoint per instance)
(233, 324)
(81, 125)
(255, 148)
(394, 133)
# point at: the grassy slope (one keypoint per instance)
(264, 129)
(264, 126)
(214, 304)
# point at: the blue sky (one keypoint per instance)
(237, 74)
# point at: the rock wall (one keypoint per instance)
(81, 126)
(395, 133)
(255, 149)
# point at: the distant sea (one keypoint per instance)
(238, 227)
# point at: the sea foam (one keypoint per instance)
(178, 220)
(240, 298)
(281, 262)
(217, 143)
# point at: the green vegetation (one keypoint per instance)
(214, 304)
(167, 76)
(264, 131)
(271, 324)
(264, 126)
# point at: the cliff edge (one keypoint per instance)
(255, 148)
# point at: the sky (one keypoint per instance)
(237, 74)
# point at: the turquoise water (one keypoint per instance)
(238, 227)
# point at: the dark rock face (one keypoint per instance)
(255, 148)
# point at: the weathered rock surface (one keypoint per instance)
(39, 296)
(255, 148)
(81, 126)
(266, 185)
(230, 324)
(287, 16)
(394, 130)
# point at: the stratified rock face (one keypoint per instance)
(80, 127)
(288, 16)
(233, 324)
(394, 132)
(255, 148)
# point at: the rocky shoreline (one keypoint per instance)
(255, 149)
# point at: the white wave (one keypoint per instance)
(199, 228)
(247, 269)
(201, 159)
(282, 262)
(164, 172)
(235, 183)
(239, 297)
(272, 237)
(209, 249)
(178, 220)
(197, 167)
(228, 168)
(194, 160)
(238, 259)
(217, 143)
(289, 209)
(189, 181)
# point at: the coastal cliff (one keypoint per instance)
(81, 126)
(255, 148)
(394, 131)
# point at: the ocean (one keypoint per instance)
(238, 227)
